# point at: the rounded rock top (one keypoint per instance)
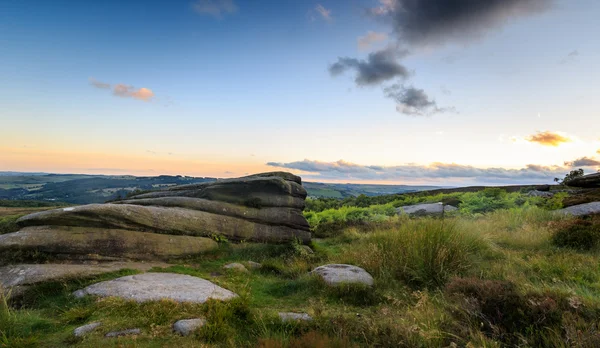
(338, 274)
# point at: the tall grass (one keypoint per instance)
(421, 253)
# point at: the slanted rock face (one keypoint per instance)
(425, 209)
(586, 181)
(174, 222)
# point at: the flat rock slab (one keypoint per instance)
(338, 274)
(582, 209)
(158, 286)
(127, 332)
(425, 209)
(187, 326)
(236, 267)
(27, 274)
(290, 316)
(82, 330)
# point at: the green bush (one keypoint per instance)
(331, 222)
(577, 234)
(8, 224)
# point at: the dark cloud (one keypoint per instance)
(548, 138)
(583, 162)
(379, 66)
(425, 22)
(413, 101)
(342, 170)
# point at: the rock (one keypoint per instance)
(127, 332)
(289, 316)
(171, 223)
(82, 330)
(253, 265)
(425, 209)
(187, 326)
(586, 181)
(157, 286)
(307, 249)
(338, 274)
(236, 267)
(581, 209)
(27, 274)
(544, 194)
(79, 242)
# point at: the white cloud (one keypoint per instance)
(325, 13)
(372, 37)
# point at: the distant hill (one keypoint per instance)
(85, 189)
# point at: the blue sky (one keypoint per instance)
(228, 87)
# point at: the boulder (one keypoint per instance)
(158, 286)
(187, 326)
(85, 242)
(253, 265)
(290, 316)
(339, 274)
(586, 181)
(28, 274)
(581, 209)
(544, 194)
(127, 332)
(430, 209)
(82, 330)
(236, 267)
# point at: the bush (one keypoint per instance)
(8, 224)
(577, 234)
(421, 253)
(331, 222)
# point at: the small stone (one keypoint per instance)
(187, 326)
(307, 249)
(82, 330)
(290, 316)
(338, 274)
(236, 267)
(253, 265)
(543, 194)
(127, 332)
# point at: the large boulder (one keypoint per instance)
(340, 274)
(426, 209)
(592, 208)
(586, 181)
(175, 222)
(158, 286)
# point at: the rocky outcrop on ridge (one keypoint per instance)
(174, 222)
(586, 181)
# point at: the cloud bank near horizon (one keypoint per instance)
(451, 172)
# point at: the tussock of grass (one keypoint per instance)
(421, 253)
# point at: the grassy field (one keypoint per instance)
(501, 272)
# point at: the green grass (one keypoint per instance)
(488, 276)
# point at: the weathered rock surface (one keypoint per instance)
(28, 274)
(290, 316)
(253, 265)
(127, 332)
(586, 181)
(425, 209)
(544, 194)
(338, 274)
(581, 209)
(157, 286)
(79, 242)
(187, 326)
(236, 267)
(174, 222)
(82, 330)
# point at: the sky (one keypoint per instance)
(381, 91)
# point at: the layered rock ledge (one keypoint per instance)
(174, 222)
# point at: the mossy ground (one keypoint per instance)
(488, 280)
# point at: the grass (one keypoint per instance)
(480, 278)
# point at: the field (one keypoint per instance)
(502, 271)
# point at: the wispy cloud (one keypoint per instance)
(343, 170)
(371, 37)
(570, 58)
(548, 138)
(379, 66)
(325, 13)
(125, 91)
(414, 102)
(215, 8)
(583, 162)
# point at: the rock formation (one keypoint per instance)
(586, 181)
(174, 222)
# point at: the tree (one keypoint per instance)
(569, 177)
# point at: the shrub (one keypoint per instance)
(422, 253)
(8, 224)
(577, 234)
